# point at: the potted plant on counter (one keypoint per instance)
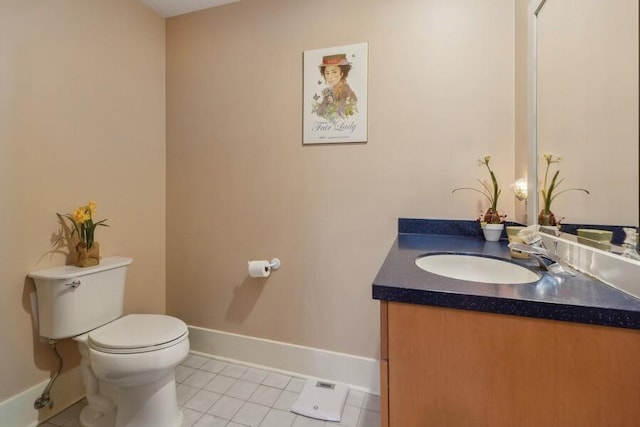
(492, 221)
(550, 192)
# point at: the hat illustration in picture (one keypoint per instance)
(339, 59)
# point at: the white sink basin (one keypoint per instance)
(476, 269)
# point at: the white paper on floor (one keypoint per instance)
(321, 400)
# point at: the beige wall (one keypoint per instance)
(82, 106)
(89, 77)
(241, 185)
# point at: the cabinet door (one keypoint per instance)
(384, 366)
(450, 368)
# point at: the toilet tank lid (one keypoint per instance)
(71, 271)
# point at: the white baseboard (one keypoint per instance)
(18, 410)
(359, 372)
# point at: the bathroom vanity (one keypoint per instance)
(559, 351)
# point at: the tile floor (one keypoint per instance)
(215, 393)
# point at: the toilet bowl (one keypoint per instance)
(128, 362)
(136, 354)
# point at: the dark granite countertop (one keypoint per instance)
(575, 299)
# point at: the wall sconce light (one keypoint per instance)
(520, 189)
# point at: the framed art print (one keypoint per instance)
(335, 94)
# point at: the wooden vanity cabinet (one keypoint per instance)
(446, 367)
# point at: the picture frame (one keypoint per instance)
(335, 94)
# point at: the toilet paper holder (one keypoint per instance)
(274, 264)
(262, 268)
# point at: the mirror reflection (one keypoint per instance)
(587, 110)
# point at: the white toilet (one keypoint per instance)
(128, 363)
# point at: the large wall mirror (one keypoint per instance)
(586, 105)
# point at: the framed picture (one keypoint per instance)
(335, 94)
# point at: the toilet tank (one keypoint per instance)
(74, 300)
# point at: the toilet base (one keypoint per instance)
(89, 417)
(154, 404)
(141, 406)
(101, 397)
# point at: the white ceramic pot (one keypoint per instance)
(492, 232)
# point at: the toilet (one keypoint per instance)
(128, 362)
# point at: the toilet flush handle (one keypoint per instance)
(73, 284)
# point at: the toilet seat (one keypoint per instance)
(138, 333)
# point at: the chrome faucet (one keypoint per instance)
(533, 245)
(540, 253)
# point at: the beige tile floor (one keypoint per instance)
(215, 393)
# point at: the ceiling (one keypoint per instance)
(169, 8)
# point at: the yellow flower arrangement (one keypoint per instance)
(83, 223)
